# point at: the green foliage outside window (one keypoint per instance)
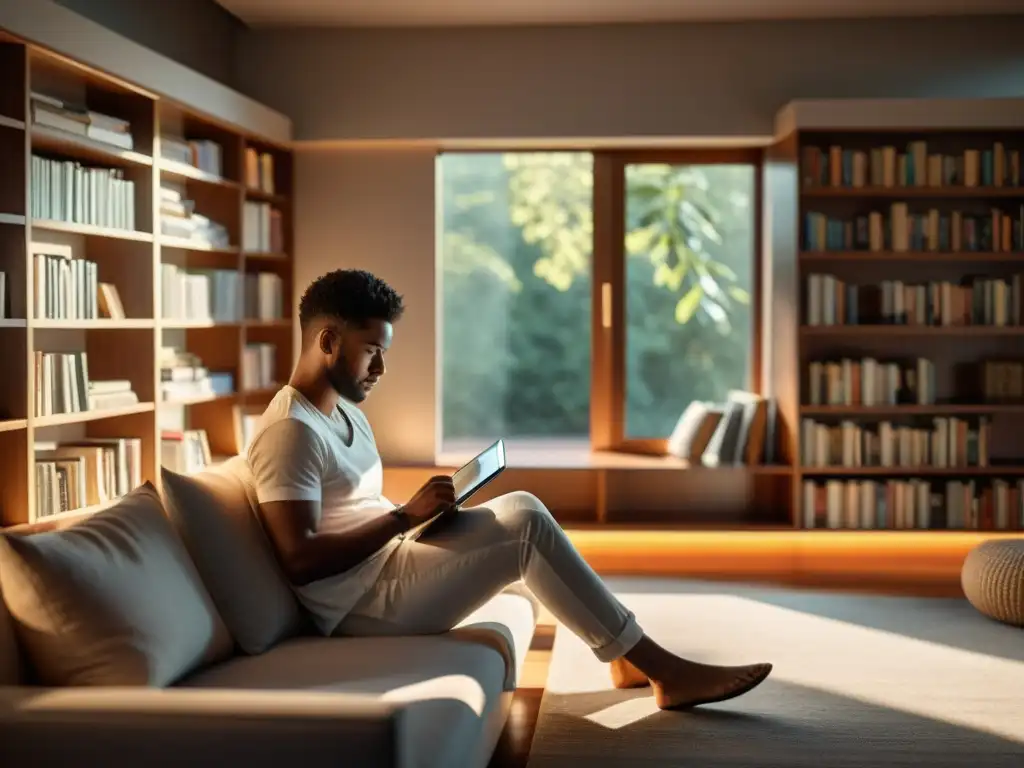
(516, 251)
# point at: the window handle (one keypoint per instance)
(606, 305)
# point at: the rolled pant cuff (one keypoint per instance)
(623, 644)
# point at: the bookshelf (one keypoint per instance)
(895, 247)
(137, 238)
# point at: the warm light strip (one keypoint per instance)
(675, 537)
(890, 538)
(912, 555)
(549, 144)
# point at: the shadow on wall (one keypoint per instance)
(197, 33)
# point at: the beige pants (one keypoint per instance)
(430, 585)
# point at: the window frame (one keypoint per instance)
(608, 326)
(608, 268)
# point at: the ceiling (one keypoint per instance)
(495, 12)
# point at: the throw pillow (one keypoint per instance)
(112, 600)
(10, 666)
(213, 511)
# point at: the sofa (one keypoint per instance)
(160, 632)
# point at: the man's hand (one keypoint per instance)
(436, 495)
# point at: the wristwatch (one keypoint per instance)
(403, 518)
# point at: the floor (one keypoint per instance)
(513, 747)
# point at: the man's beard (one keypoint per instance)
(343, 383)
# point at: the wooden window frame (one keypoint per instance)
(608, 327)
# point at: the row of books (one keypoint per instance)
(264, 296)
(65, 288)
(259, 171)
(185, 451)
(78, 120)
(179, 218)
(973, 301)
(1000, 381)
(900, 230)
(992, 505)
(741, 430)
(948, 443)
(262, 229)
(259, 363)
(74, 474)
(202, 154)
(183, 376)
(65, 190)
(245, 421)
(915, 165)
(63, 385)
(870, 382)
(211, 295)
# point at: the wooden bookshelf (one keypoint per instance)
(892, 240)
(123, 234)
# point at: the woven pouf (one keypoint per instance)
(993, 580)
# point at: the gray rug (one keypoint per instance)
(859, 682)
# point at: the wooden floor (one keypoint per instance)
(606, 554)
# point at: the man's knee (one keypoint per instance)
(524, 510)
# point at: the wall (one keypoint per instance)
(60, 29)
(197, 33)
(376, 209)
(642, 80)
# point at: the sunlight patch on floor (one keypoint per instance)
(624, 713)
(881, 668)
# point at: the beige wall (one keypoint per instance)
(375, 211)
(197, 33)
(632, 80)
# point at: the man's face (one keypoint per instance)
(358, 364)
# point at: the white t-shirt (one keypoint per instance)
(300, 454)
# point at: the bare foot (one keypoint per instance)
(625, 675)
(692, 684)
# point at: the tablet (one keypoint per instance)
(468, 480)
(479, 472)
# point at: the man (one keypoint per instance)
(341, 543)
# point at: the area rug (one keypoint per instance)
(858, 682)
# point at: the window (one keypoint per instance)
(688, 250)
(515, 251)
(593, 296)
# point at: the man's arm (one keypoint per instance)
(287, 462)
(307, 554)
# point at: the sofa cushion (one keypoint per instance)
(112, 600)
(10, 659)
(454, 685)
(214, 514)
(13, 667)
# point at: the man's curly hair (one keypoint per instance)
(352, 295)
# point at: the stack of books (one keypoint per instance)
(184, 377)
(79, 120)
(179, 218)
